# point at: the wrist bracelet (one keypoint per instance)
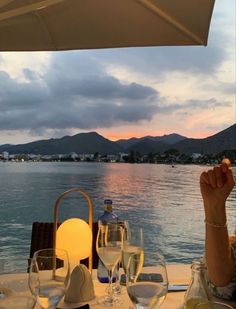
(215, 224)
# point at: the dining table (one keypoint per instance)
(178, 274)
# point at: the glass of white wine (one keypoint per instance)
(109, 245)
(49, 276)
(150, 288)
(14, 289)
(117, 289)
(133, 244)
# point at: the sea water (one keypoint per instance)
(164, 201)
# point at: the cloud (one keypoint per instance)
(228, 88)
(192, 106)
(159, 62)
(18, 96)
(76, 89)
(29, 74)
(71, 100)
(79, 73)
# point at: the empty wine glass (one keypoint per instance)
(49, 276)
(212, 305)
(149, 289)
(109, 245)
(14, 289)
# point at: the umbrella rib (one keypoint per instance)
(28, 9)
(172, 21)
(46, 29)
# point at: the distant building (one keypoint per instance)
(121, 156)
(74, 156)
(5, 155)
(46, 158)
(196, 155)
(86, 156)
(34, 157)
(112, 158)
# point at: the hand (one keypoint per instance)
(216, 185)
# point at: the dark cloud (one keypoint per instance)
(72, 100)
(76, 92)
(18, 96)
(29, 74)
(79, 74)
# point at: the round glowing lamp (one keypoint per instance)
(75, 236)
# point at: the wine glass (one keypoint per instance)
(109, 246)
(212, 305)
(49, 276)
(150, 288)
(133, 244)
(116, 286)
(14, 289)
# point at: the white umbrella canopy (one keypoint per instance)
(46, 25)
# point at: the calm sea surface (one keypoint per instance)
(165, 201)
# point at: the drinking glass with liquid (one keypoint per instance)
(109, 245)
(150, 288)
(133, 244)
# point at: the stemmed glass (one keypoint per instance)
(116, 286)
(109, 245)
(49, 276)
(14, 289)
(133, 244)
(150, 288)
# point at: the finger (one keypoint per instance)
(228, 174)
(225, 165)
(226, 161)
(204, 178)
(219, 176)
(230, 178)
(212, 178)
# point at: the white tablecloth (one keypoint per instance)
(177, 274)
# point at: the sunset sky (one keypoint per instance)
(122, 93)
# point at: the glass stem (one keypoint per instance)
(110, 274)
(118, 273)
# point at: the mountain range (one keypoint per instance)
(92, 142)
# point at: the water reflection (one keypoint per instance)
(165, 201)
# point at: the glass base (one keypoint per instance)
(109, 301)
(117, 289)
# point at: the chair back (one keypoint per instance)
(42, 238)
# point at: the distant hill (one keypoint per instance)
(224, 140)
(126, 143)
(81, 143)
(168, 139)
(148, 145)
(171, 139)
(92, 142)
